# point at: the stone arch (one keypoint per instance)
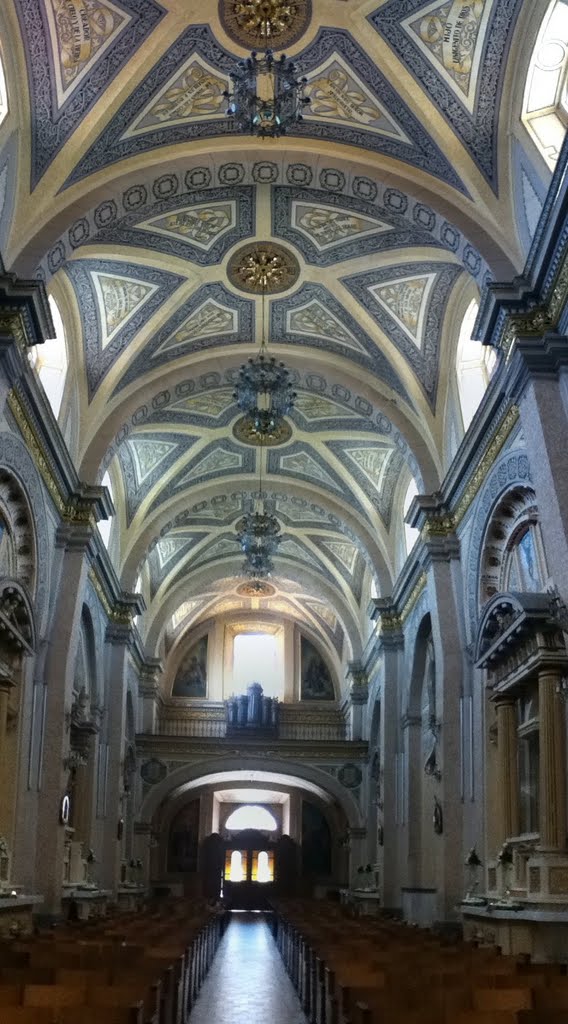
(189, 773)
(513, 512)
(510, 471)
(17, 464)
(15, 511)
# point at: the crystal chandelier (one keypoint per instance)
(258, 534)
(268, 97)
(264, 391)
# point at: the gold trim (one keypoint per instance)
(13, 323)
(498, 441)
(36, 450)
(419, 586)
(117, 614)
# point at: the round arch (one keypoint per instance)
(231, 769)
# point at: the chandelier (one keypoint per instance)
(258, 534)
(264, 391)
(268, 97)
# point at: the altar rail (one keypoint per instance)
(296, 722)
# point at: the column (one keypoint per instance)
(552, 762)
(508, 769)
(357, 700)
(118, 637)
(69, 585)
(541, 396)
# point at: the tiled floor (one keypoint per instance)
(247, 983)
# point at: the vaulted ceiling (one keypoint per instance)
(134, 199)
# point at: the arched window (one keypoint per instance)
(475, 363)
(236, 873)
(251, 816)
(50, 361)
(545, 104)
(105, 526)
(411, 534)
(3, 94)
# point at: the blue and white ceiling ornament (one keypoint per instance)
(376, 466)
(328, 228)
(312, 316)
(73, 53)
(144, 459)
(115, 299)
(457, 51)
(408, 301)
(181, 99)
(217, 459)
(198, 226)
(211, 316)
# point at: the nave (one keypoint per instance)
(247, 983)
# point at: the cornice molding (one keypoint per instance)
(24, 311)
(185, 749)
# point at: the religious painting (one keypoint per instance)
(183, 843)
(317, 683)
(191, 678)
(528, 563)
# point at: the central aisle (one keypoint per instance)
(247, 983)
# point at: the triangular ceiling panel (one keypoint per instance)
(146, 459)
(313, 316)
(148, 454)
(306, 464)
(203, 224)
(314, 407)
(406, 299)
(212, 315)
(327, 227)
(345, 557)
(339, 96)
(217, 459)
(206, 405)
(197, 226)
(294, 549)
(354, 103)
(408, 302)
(73, 52)
(194, 93)
(179, 100)
(118, 298)
(457, 51)
(376, 467)
(115, 299)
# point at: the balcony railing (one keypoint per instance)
(297, 722)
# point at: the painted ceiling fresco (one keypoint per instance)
(135, 194)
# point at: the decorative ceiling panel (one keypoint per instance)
(217, 459)
(457, 52)
(303, 462)
(313, 316)
(329, 228)
(74, 51)
(167, 554)
(144, 460)
(115, 299)
(408, 301)
(346, 558)
(376, 467)
(182, 99)
(196, 226)
(211, 316)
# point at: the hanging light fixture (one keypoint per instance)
(258, 533)
(268, 97)
(264, 391)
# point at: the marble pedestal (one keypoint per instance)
(540, 933)
(16, 913)
(89, 903)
